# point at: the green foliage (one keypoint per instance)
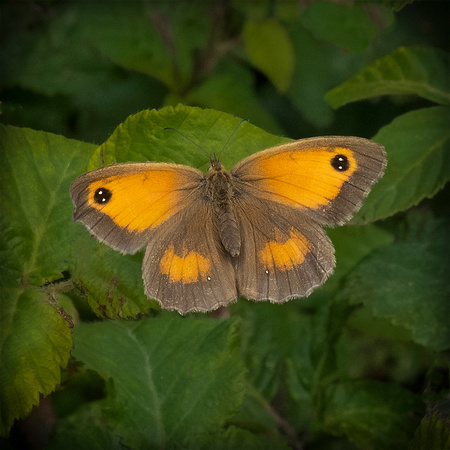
(417, 168)
(173, 396)
(275, 57)
(36, 343)
(347, 26)
(422, 71)
(372, 414)
(35, 339)
(433, 433)
(413, 296)
(96, 434)
(361, 363)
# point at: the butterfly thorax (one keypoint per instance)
(219, 188)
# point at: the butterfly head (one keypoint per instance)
(214, 165)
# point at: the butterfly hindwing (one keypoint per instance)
(284, 254)
(185, 265)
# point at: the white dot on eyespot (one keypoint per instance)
(208, 278)
(267, 272)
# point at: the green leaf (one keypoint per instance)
(111, 282)
(35, 343)
(71, 63)
(270, 50)
(433, 433)
(87, 40)
(307, 91)
(418, 153)
(346, 26)
(37, 169)
(186, 377)
(60, 78)
(236, 438)
(298, 335)
(372, 414)
(290, 343)
(373, 347)
(199, 133)
(154, 38)
(396, 5)
(231, 90)
(255, 414)
(352, 244)
(300, 402)
(269, 334)
(85, 428)
(407, 284)
(422, 71)
(311, 366)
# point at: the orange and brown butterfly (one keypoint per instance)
(254, 231)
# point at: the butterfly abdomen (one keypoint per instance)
(220, 193)
(229, 231)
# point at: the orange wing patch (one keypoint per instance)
(189, 268)
(285, 255)
(138, 201)
(304, 179)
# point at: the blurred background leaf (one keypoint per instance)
(422, 71)
(79, 69)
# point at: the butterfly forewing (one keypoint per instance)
(326, 178)
(123, 204)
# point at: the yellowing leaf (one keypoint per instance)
(270, 49)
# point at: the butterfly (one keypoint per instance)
(255, 231)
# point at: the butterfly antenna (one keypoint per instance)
(232, 134)
(188, 138)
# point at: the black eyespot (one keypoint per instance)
(102, 196)
(340, 163)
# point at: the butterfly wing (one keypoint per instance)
(284, 254)
(185, 266)
(326, 178)
(163, 207)
(123, 204)
(283, 197)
